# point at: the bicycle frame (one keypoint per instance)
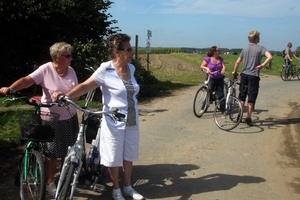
(30, 145)
(75, 155)
(231, 92)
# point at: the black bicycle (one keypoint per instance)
(36, 128)
(288, 72)
(205, 96)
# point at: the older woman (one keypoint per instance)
(54, 77)
(119, 142)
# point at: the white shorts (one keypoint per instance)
(117, 145)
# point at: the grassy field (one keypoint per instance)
(174, 75)
(229, 60)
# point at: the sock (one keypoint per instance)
(116, 191)
(127, 188)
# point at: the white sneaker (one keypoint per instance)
(118, 196)
(133, 194)
(51, 188)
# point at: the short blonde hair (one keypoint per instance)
(253, 35)
(58, 49)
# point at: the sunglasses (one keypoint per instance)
(129, 49)
(67, 56)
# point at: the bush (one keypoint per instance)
(148, 83)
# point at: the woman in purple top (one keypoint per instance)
(214, 66)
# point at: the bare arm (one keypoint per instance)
(295, 56)
(236, 65)
(223, 68)
(269, 59)
(20, 84)
(82, 88)
(204, 66)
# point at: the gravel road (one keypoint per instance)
(184, 157)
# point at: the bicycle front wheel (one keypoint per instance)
(286, 74)
(228, 114)
(200, 102)
(65, 191)
(32, 176)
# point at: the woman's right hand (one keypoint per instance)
(4, 90)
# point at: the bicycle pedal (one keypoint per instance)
(98, 188)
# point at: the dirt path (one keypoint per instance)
(184, 157)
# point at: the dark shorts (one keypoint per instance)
(65, 135)
(249, 88)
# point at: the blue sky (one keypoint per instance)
(204, 23)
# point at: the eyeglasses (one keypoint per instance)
(129, 49)
(217, 50)
(67, 56)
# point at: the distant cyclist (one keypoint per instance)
(288, 58)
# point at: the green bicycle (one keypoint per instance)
(36, 128)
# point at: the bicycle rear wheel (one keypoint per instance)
(228, 114)
(32, 182)
(200, 101)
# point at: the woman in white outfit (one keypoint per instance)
(119, 142)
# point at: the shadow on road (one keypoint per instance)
(172, 180)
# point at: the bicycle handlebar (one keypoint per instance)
(62, 99)
(15, 95)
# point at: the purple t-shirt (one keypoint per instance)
(215, 67)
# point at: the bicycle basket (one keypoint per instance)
(36, 127)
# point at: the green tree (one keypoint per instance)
(30, 27)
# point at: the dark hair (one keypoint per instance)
(211, 51)
(116, 42)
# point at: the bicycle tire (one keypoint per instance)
(229, 118)
(283, 74)
(35, 186)
(200, 101)
(67, 182)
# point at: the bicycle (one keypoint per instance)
(74, 165)
(228, 112)
(205, 96)
(36, 128)
(289, 72)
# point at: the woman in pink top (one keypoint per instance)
(54, 77)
